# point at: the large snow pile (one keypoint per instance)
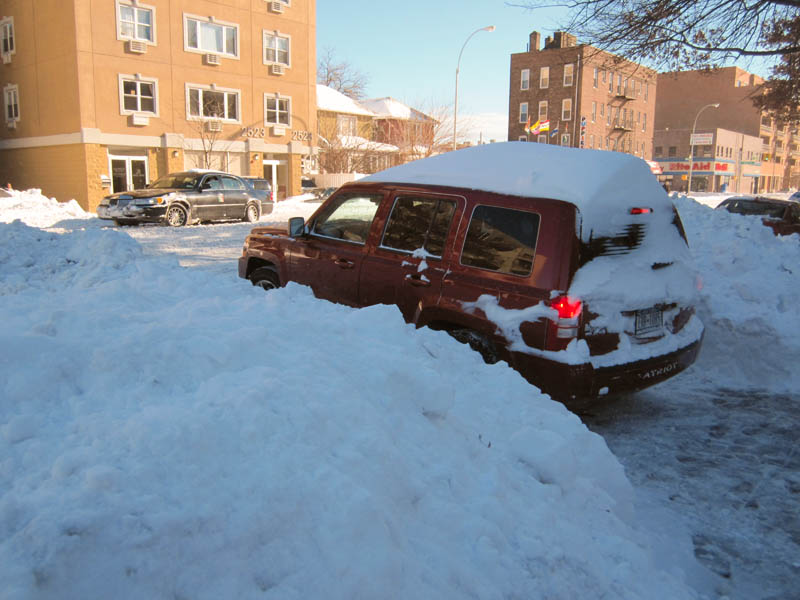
(169, 433)
(38, 210)
(749, 298)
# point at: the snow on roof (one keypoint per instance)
(593, 180)
(360, 143)
(331, 100)
(389, 107)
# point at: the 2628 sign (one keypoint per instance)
(260, 132)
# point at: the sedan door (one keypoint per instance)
(209, 203)
(329, 258)
(236, 197)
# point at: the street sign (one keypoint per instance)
(701, 139)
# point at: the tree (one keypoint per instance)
(697, 34)
(341, 75)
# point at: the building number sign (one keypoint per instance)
(260, 132)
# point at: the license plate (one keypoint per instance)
(648, 320)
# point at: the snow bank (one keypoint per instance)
(38, 210)
(166, 432)
(749, 298)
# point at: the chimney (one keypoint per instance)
(548, 42)
(535, 42)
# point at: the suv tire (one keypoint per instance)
(265, 278)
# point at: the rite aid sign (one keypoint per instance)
(707, 166)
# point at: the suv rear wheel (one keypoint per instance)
(266, 278)
(478, 342)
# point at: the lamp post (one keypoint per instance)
(458, 66)
(691, 144)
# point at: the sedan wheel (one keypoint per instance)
(265, 278)
(176, 216)
(251, 213)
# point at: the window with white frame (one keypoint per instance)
(594, 111)
(212, 103)
(595, 77)
(525, 79)
(276, 48)
(211, 35)
(644, 121)
(568, 71)
(523, 112)
(544, 77)
(565, 139)
(137, 95)
(542, 139)
(566, 109)
(135, 22)
(11, 101)
(346, 125)
(522, 138)
(277, 110)
(542, 110)
(7, 46)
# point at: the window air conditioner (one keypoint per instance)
(137, 47)
(278, 130)
(214, 126)
(276, 69)
(276, 7)
(12, 124)
(140, 120)
(212, 59)
(6, 58)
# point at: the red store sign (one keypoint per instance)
(698, 166)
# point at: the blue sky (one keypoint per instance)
(410, 50)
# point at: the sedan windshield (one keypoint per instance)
(181, 182)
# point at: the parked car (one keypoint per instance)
(583, 284)
(782, 216)
(307, 184)
(263, 188)
(795, 197)
(324, 193)
(188, 197)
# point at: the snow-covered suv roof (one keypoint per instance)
(596, 181)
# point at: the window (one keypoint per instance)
(619, 83)
(659, 150)
(522, 138)
(565, 139)
(543, 110)
(672, 151)
(542, 138)
(135, 22)
(644, 121)
(137, 95)
(594, 77)
(591, 140)
(203, 35)
(11, 101)
(348, 218)
(276, 48)
(523, 112)
(419, 223)
(7, 34)
(568, 69)
(502, 240)
(231, 183)
(594, 111)
(346, 125)
(646, 89)
(213, 103)
(525, 79)
(608, 116)
(277, 110)
(611, 83)
(566, 109)
(544, 77)
(602, 110)
(604, 75)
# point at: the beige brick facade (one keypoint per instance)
(595, 100)
(77, 71)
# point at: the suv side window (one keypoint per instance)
(501, 239)
(231, 183)
(348, 217)
(418, 223)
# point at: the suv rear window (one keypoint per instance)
(419, 223)
(501, 239)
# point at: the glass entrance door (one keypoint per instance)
(128, 173)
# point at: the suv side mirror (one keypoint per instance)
(296, 227)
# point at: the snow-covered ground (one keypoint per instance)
(169, 431)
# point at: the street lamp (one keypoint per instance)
(458, 66)
(691, 144)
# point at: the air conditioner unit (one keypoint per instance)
(140, 120)
(214, 126)
(278, 130)
(212, 59)
(12, 124)
(6, 58)
(137, 47)
(277, 69)
(276, 6)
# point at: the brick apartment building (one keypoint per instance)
(594, 99)
(107, 95)
(738, 146)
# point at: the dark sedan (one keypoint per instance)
(782, 216)
(189, 197)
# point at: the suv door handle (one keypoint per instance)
(418, 280)
(343, 263)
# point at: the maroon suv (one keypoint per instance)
(571, 265)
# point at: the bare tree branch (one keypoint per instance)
(341, 75)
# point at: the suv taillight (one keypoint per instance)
(569, 312)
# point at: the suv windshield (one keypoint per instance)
(181, 182)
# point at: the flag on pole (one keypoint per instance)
(527, 124)
(534, 128)
(544, 126)
(554, 132)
